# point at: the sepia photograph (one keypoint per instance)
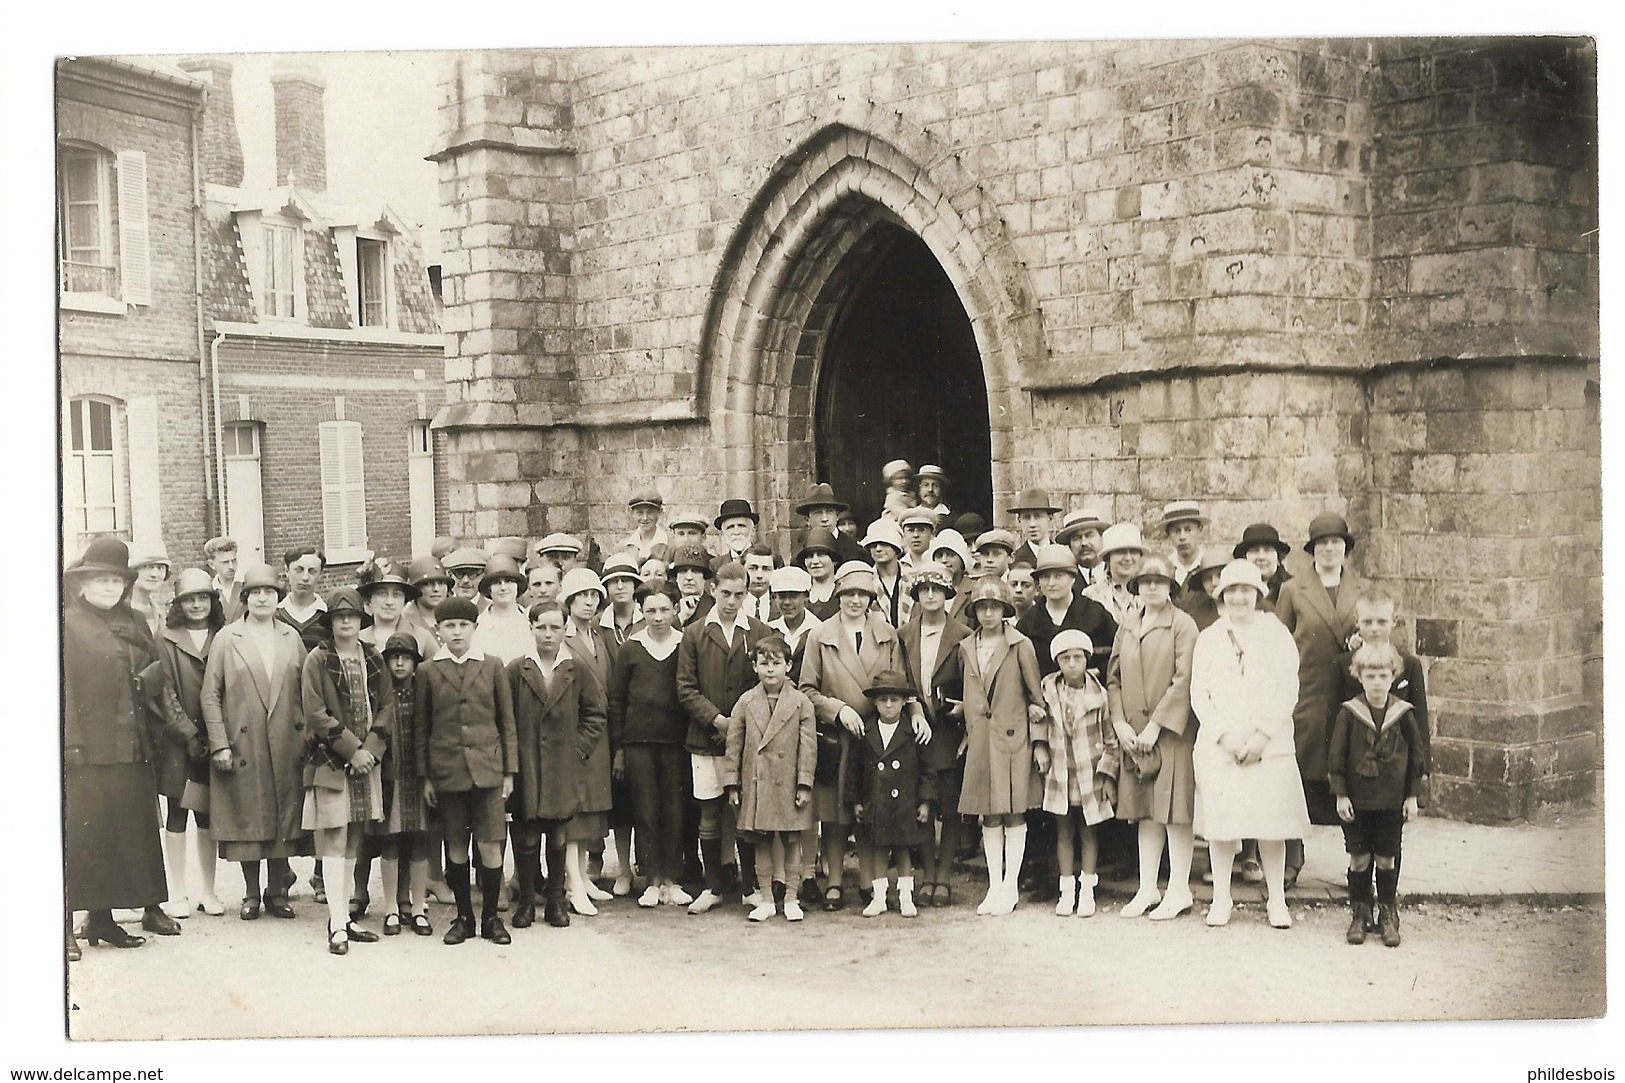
(905, 535)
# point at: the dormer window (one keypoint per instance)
(284, 268)
(372, 282)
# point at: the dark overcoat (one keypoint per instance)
(558, 724)
(184, 665)
(596, 791)
(891, 780)
(1320, 628)
(711, 676)
(945, 682)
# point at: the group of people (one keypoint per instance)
(727, 722)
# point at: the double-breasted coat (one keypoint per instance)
(559, 723)
(184, 663)
(1149, 680)
(771, 752)
(261, 720)
(891, 780)
(1320, 627)
(935, 689)
(1000, 776)
(833, 675)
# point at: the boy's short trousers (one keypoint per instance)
(707, 773)
(478, 810)
(1374, 831)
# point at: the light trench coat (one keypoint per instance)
(1149, 679)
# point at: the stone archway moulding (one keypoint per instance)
(842, 177)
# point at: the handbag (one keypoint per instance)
(328, 777)
(1145, 764)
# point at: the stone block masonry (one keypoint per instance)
(1278, 277)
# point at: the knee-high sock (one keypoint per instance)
(1015, 849)
(1387, 886)
(457, 880)
(175, 858)
(526, 862)
(417, 876)
(389, 871)
(490, 891)
(1150, 837)
(993, 850)
(747, 867)
(338, 905)
(206, 856)
(555, 868)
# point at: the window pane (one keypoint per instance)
(99, 480)
(76, 423)
(84, 228)
(79, 174)
(100, 519)
(73, 486)
(101, 426)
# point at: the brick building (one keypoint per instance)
(130, 324)
(323, 340)
(1275, 276)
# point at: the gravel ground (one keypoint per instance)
(662, 970)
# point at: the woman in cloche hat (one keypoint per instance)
(195, 618)
(1149, 690)
(1007, 746)
(349, 703)
(255, 719)
(1318, 609)
(113, 856)
(1244, 683)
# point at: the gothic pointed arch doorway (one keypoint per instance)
(900, 377)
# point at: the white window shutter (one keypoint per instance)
(146, 490)
(355, 493)
(332, 488)
(135, 253)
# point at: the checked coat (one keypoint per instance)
(771, 753)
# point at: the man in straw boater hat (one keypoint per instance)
(1186, 527)
(1080, 532)
(1035, 519)
(823, 511)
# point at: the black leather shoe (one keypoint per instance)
(421, 925)
(392, 925)
(555, 913)
(156, 921)
(250, 908)
(360, 935)
(337, 943)
(524, 915)
(493, 930)
(111, 932)
(278, 906)
(810, 895)
(460, 930)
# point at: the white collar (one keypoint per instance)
(808, 623)
(318, 606)
(658, 651)
(444, 654)
(564, 655)
(740, 621)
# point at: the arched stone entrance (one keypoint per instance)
(899, 377)
(820, 222)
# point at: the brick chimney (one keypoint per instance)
(301, 126)
(221, 150)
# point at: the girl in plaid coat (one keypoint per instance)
(1081, 782)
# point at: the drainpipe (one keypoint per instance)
(219, 430)
(211, 512)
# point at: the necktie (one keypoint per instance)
(857, 642)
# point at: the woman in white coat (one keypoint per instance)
(1244, 685)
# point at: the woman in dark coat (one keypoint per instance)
(113, 855)
(195, 616)
(1318, 609)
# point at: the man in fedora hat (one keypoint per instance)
(1035, 517)
(932, 483)
(1186, 527)
(822, 511)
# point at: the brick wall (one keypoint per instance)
(291, 387)
(1214, 270)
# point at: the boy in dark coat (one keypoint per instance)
(889, 789)
(467, 757)
(559, 715)
(713, 671)
(1375, 767)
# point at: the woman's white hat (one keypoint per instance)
(1120, 536)
(1241, 573)
(577, 580)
